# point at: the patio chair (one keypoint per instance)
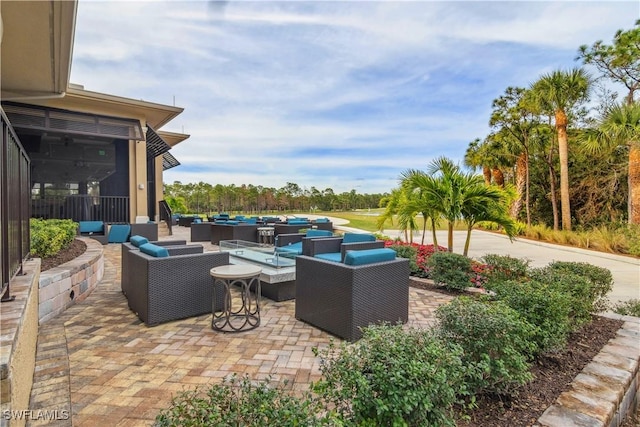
(370, 287)
(292, 244)
(335, 248)
(134, 243)
(233, 230)
(171, 287)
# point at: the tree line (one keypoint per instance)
(205, 198)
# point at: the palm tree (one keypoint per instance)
(559, 92)
(397, 204)
(485, 204)
(621, 126)
(416, 182)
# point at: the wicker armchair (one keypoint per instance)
(242, 231)
(174, 287)
(201, 232)
(127, 273)
(334, 249)
(341, 299)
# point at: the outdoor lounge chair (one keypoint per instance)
(292, 244)
(233, 230)
(166, 288)
(135, 241)
(372, 286)
(335, 248)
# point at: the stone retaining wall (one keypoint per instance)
(71, 282)
(606, 390)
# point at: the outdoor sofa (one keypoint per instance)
(370, 287)
(171, 287)
(201, 232)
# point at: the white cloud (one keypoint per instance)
(381, 86)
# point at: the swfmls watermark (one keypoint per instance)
(40, 414)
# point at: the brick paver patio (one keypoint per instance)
(100, 363)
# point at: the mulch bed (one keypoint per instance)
(552, 373)
(75, 249)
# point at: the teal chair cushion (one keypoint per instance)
(91, 226)
(358, 238)
(330, 256)
(137, 241)
(319, 233)
(154, 250)
(369, 256)
(294, 248)
(119, 233)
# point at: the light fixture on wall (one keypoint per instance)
(140, 186)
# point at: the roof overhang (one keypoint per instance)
(77, 99)
(172, 138)
(36, 48)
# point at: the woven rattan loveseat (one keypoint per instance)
(341, 299)
(174, 287)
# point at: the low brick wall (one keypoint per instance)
(71, 282)
(606, 390)
(18, 338)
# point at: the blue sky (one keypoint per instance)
(330, 94)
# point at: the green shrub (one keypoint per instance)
(577, 289)
(410, 253)
(451, 270)
(392, 377)
(504, 267)
(601, 281)
(238, 401)
(496, 340)
(48, 237)
(628, 308)
(543, 306)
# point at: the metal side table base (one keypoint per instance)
(247, 315)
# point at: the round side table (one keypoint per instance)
(245, 317)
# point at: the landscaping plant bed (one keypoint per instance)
(74, 250)
(553, 373)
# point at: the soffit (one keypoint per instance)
(36, 49)
(173, 138)
(149, 113)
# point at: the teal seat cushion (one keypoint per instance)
(295, 248)
(137, 241)
(119, 233)
(154, 250)
(369, 256)
(319, 233)
(330, 256)
(91, 226)
(358, 238)
(322, 220)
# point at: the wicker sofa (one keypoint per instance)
(174, 287)
(341, 298)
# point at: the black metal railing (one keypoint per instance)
(15, 178)
(166, 215)
(111, 209)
